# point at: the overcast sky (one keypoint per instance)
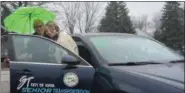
(144, 8)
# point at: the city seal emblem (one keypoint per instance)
(70, 79)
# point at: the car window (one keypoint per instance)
(3, 47)
(36, 49)
(132, 49)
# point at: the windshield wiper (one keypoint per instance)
(177, 61)
(133, 63)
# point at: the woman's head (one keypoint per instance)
(53, 28)
(38, 24)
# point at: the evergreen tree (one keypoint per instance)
(172, 27)
(116, 19)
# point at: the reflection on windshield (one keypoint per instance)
(133, 49)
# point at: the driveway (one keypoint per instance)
(5, 80)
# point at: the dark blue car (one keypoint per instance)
(115, 63)
(127, 63)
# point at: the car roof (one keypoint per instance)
(87, 35)
(102, 34)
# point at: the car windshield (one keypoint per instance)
(123, 49)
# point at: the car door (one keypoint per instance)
(36, 67)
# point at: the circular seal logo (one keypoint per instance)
(70, 79)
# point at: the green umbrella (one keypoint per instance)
(21, 21)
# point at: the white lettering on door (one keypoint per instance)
(23, 81)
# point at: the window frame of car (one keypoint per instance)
(92, 50)
(11, 42)
(101, 61)
(8, 46)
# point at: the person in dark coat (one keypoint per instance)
(44, 48)
(38, 25)
(45, 30)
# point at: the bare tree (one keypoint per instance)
(157, 20)
(71, 11)
(81, 15)
(140, 22)
(92, 10)
(80, 19)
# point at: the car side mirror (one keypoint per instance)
(70, 60)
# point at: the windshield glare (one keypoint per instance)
(118, 49)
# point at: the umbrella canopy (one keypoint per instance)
(21, 21)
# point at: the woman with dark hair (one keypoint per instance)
(38, 27)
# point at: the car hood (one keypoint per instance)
(172, 73)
